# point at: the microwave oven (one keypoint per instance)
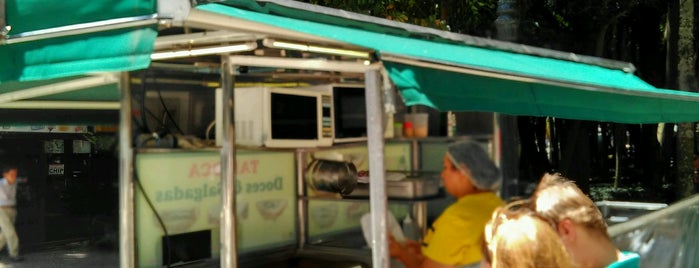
(283, 117)
(348, 112)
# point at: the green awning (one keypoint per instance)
(540, 99)
(448, 75)
(105, 36)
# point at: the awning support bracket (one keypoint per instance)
(75, 29)
(60, 87)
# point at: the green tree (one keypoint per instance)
(469, 17)
(628, 30)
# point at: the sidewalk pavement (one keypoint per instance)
(70, 255)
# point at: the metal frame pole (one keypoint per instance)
(377, 182)
(301, 203)
(229, 249)
(127, 236)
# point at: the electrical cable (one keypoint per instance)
(162, 122)
(208, 129)
(157, 215)
(155, 116)
(162, 128)
(167, 112)
(144, 76)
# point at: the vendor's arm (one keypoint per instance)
(409, 253)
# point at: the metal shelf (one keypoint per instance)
(440, 195)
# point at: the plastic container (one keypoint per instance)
(389, 129)
(398, 129)
(408, 130)
(410, 228)
(420, 124)
(393, 228)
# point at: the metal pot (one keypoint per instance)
(331, 176)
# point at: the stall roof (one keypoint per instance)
(448, 71)
(51, 40)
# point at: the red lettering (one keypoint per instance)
(205, 170)
(193, 171)
(216, 168)
(247, 167)
(244, 168)
(254, 165)
(208, 169)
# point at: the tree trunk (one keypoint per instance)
(575, 161)
(686, 81)
(600, 39)
(619, 138)
(672, 37)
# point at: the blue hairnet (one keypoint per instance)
(470, 156)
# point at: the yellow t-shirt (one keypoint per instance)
(455, 236)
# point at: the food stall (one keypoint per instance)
(446, 71)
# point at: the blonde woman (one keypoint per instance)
(516, 237)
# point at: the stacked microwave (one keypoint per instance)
(300, 117)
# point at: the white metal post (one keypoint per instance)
(377, 183)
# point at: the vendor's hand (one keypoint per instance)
(408, 252)
(413, 247)
(395, 249)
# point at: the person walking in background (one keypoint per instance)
(516, 237)
(454, 238)
(8, 213)
(579, 224)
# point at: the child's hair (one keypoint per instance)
(517, 237)
(557, 198)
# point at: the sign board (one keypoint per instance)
(185, 189)
(45, 129)
(57, 169)
(54, 146)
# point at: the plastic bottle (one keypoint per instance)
(410, 228)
